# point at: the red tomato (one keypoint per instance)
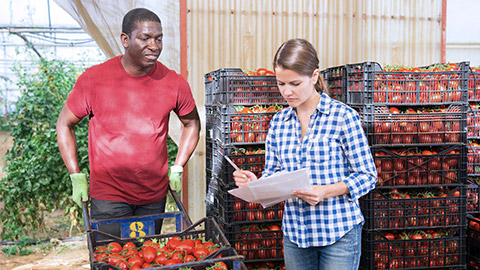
(146, 265)
(262, 71)
(161, 259)
(189, 258)
(187, 245)
(269, 73)
(416, 236)
(149, 254)
(170, 262)
(135, 260)
(390, 236)
(114, 247)
(173, 242)
(220, 266)
(129, 245)
(131, 252)
(200, 253)
(177, 256)
(135, 267)
(115, 258)
(475, 224)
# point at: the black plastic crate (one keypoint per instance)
(439, 127)
(206, 228)
(257, 242)
(336, 81)
(473, 262)
(473, 241)
(368, 83)
(474, 85)
(473, 121)
(232, 86)
(412, 210)
(473, 160)
(407, 167)
(473, 195)
(231, 210)
(228, 125)
(443, 252)
(251, 158)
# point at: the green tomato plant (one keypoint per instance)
(36, 177)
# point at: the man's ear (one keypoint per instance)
(124, 39)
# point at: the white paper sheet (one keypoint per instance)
(273, 189)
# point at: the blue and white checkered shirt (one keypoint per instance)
(333, 149)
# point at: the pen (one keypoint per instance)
(231, 162)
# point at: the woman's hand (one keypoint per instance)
(321, 192)
(243, 177)
(313, 196)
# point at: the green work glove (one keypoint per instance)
(175, 176)
(80, 188)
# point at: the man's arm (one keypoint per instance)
(189, 137)
(67, 141)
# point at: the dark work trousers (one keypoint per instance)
(111, 209)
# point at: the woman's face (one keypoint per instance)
(296, 88)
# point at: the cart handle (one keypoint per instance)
(180, 206)
(176, 198)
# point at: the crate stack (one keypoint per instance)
(415, 121)
(473, 170)
(473, 242)
(238, 111)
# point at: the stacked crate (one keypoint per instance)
(415, 121)
(473, 170)
(473, 242)
(238, 111)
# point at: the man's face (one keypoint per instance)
(144, 45)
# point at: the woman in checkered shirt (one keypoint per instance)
(322, 227)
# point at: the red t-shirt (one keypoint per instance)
(128, 128)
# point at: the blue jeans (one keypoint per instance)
(111, 209)
(341, 255)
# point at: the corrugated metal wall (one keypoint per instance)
(246, 34)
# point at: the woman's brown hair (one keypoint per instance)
(300, 56)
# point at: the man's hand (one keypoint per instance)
(80, 188)
(175, 176)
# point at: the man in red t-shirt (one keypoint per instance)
(128, 100)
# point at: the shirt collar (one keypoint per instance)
(323, 106)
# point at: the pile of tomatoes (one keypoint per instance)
(249, 158)
(259, 242)
(153, 254)
(474, 84)
(259, 72)
(473, 158)
(411, 209)
(436, 84)
(417, 167)
(419, 248)
(250, 124)
(250, 211)
(418, 126)
(473, 233)
(473, 195)
(473, 120)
